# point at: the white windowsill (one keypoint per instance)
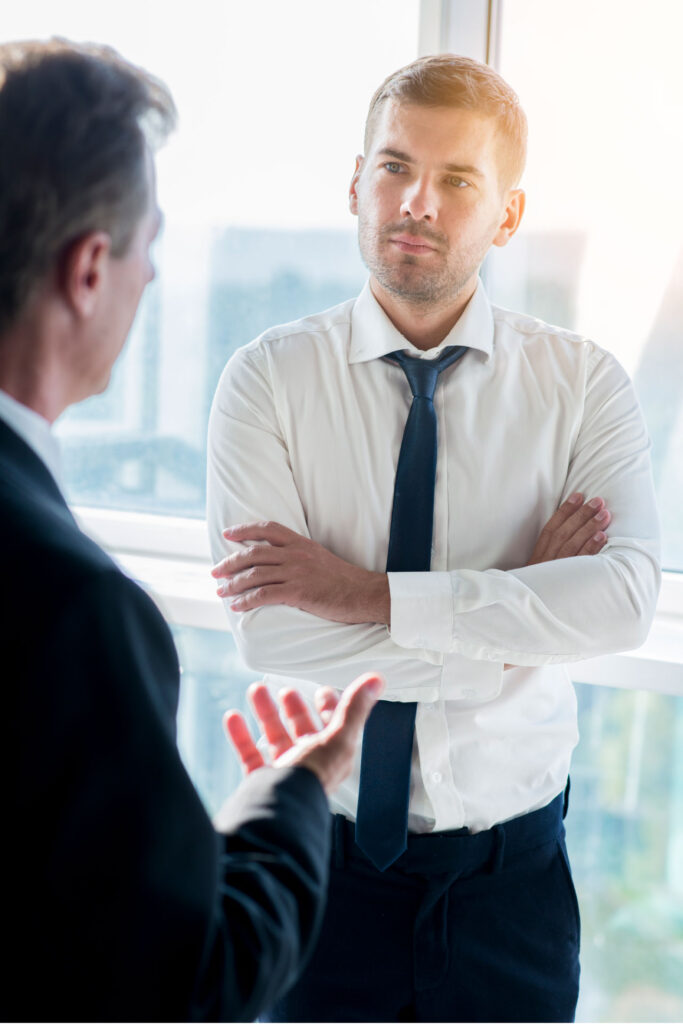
(170, 557)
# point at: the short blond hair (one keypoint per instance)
(449, 80)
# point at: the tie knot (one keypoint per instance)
(423, 374)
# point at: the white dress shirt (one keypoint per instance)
(34, 429)
(305, 430)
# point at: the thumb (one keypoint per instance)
(356, 703)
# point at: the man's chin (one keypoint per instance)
(412, 285)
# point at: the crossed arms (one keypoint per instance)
(276, 566)
(306, 610)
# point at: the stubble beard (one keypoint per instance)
(407, 278)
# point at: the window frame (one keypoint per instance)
(170, 558)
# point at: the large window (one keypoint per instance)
(272, 98)
(601, 245)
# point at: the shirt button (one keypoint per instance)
(437, 777)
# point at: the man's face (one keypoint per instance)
(429, 201)
(126, 279)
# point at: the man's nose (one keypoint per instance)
(420, 201)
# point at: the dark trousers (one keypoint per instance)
(462, 927)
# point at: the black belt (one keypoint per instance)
(460, 852)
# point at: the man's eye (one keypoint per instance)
(457, 182)
(392, 167)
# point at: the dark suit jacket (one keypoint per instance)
(121, 901)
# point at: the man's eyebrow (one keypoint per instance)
(464, 169)
(397, 154)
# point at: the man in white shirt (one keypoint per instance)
(477, 919)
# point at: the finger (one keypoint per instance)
(240, 737)
(220, 569)
(576, 521)
(355, 704)
(565, 510)
(330, 754)
(257, 576)
(268, 715)
(274, 593)
(253, 554)
(274, 533)
(297, 712)
(594, 545)
(574, 544)
(325, 700)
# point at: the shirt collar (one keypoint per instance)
(373, 335)
(34, 430)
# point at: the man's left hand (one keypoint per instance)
(294, 570)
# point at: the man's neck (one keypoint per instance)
(425, 326)
(30, 374)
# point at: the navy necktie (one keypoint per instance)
(382, 818)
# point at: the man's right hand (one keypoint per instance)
(327, 752)
(577, 528)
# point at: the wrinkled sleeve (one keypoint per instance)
(569, 609)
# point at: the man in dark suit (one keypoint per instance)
(124, 901)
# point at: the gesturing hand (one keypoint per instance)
(327, 752)
(294, 570)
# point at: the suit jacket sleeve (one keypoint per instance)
(142, 910)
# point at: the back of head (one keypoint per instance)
(75, 123)
(449, 80)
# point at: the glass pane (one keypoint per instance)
(272, 99)
(625, 839)
(213, 681)
(601, 246)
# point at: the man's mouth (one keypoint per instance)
(412, 244)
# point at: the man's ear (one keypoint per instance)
(514, 210)
(353, 194)
(84, 268)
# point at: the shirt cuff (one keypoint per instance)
(421, 610)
